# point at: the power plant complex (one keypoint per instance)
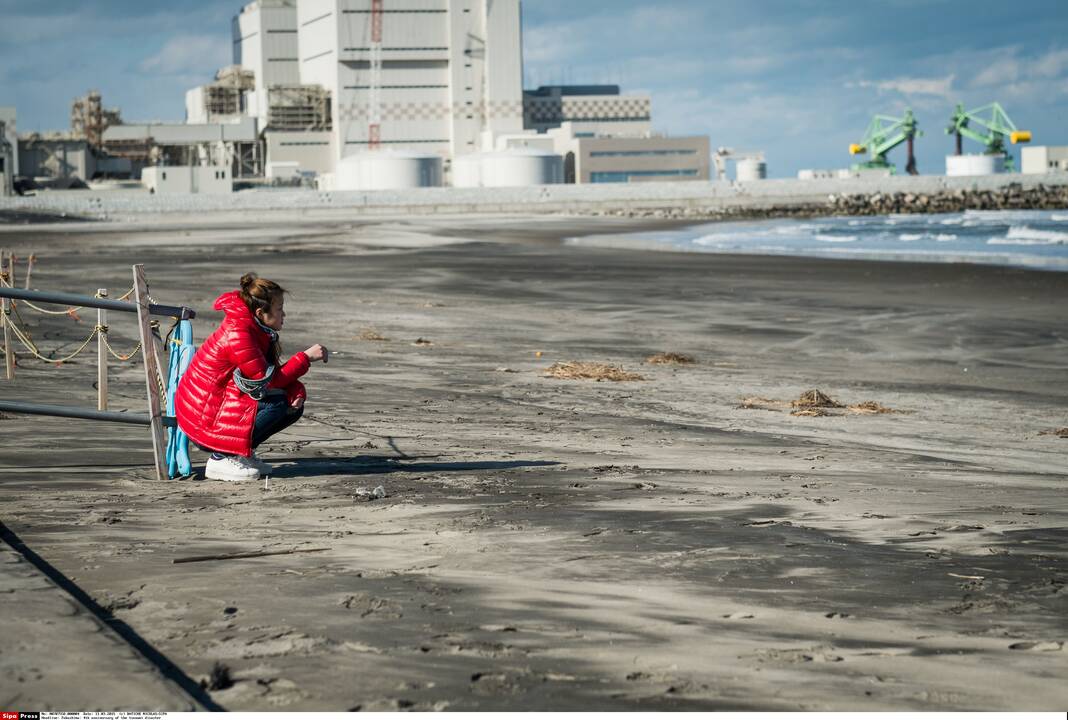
(377, 94)
(387, 95)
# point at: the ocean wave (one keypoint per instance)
(940, 237)
(1057, 217)
(835, 238)
(1025, 235)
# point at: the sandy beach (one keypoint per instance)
(686, 541)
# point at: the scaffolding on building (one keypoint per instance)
(298, 107)
(89, 119)
(226, 96)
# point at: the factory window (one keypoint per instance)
(622, 177)
(576, 118)
(640, 153)
(397, 87)
(394, 12)
(395, 142)
(395, 49)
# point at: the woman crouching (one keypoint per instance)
(236, 393)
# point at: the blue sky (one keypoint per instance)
(798, 79)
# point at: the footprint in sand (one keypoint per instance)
(739, 616)
(1047, 646)
(367, 605)
(494, 683)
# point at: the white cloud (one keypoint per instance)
(939, 86)
(1051, 65)
(190, 55)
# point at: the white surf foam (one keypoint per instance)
(1024, 235)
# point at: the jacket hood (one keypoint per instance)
(234, 307)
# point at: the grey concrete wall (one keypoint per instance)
(577, 199)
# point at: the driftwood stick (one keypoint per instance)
(237, 556)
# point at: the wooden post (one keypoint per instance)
(9, 355)
(151, 370)
(29, 268)
(102, 355)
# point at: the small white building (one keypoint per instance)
(187, 179)
(1043, 159)
(310, 151)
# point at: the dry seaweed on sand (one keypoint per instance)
(815, 399)
(762, 403)
(371, 334)
(815, 403)
(1059, 432)
(870, 407)
(422, 341)
(590, 371)
(811, 412)
(670, 358)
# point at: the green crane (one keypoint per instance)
(995, 126)
(884, 134)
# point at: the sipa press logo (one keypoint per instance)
(20, 716)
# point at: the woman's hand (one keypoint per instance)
(317, 352)
(297, 403)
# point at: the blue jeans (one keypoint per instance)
(273, 415)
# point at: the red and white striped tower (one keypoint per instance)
(374, 100)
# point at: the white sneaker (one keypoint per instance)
(232, 468)
(265, 468)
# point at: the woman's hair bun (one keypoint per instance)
(248, 279)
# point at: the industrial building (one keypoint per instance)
(434, 80)
(1044, 159)
(186, 179)
(376, 94)
(592, 110)
(9, 153)
(233, 144)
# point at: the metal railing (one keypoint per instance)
(144, 308)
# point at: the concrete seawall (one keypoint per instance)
(677, 199)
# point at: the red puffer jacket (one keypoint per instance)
(210, 408)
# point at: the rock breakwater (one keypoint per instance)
(1012, 196)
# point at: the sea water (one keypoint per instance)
(1024, 238)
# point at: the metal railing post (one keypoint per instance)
(9, 356)
(152, 373)
(102, 354)
(29, 268)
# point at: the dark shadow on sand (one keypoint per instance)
(372, 465)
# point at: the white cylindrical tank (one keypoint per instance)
(467, 171)
(748, 169)
(518, 167)
(957, 165)
(388, 170)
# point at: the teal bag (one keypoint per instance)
(181, 352)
